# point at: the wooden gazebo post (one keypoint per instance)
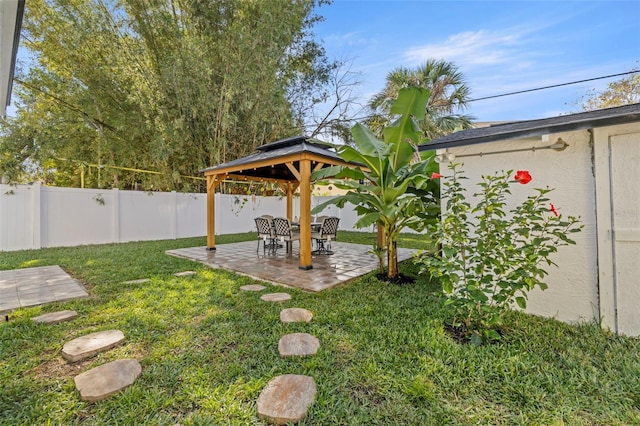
(305, 215)
(212, 183)
(289, 190)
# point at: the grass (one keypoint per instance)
(207, 350)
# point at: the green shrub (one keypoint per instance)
(491, 258)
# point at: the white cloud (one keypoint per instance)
(350, 39)
(474, 48)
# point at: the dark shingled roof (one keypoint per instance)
(283, 148)
(294, 141)
(534, 128)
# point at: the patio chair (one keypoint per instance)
(266, 234)
(320, 219)
(284, 233)
(317, 223)
(328, 231)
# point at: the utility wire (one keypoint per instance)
(362, 117)
(66, 104)
(508, 94)
(552, 86)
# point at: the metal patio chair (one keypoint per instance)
(266, 234)
(328, 231)
(284, 233)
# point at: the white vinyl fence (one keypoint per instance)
(36, 216)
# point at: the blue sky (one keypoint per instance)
(499, 46)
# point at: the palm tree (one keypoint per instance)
(449, 93)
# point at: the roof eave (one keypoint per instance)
(541, 127)
(15, 43)
(222, 169)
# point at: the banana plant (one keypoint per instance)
(392, 184)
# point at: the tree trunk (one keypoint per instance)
(392, 259)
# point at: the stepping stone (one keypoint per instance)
(91, 344)
(286, 399)
(55, 317)
(275, 297)
(140, 281)
(252, 287)
(298, 344)
(185, 274)
(295, 315)
(107, 379)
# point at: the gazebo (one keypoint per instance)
(287, 162)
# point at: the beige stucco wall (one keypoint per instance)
(594, 178)
(572, 295)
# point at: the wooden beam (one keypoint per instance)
(294, 171)
(215, 181)
(240, 177)
(305, 215)
(285, 186)
(318, 167)
(282, 160)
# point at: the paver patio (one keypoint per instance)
(349, 261)
(34, 286)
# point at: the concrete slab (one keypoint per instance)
(252, 287)
(286, 399)
(87, 346)
(20, 288)
(138, 281)
(275, 297)
(295, 315)
(348, 262)
(298, 344)
(107, 379)
(55, 317)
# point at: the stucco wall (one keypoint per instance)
(573, 286)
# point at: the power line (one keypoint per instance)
(509, 93)
(128, 169)
(66, 104)
(552, 86)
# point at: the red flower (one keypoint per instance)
(523, 177)
(553, 209)
(435, 175)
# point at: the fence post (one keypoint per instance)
(36, 213)
(115, 215)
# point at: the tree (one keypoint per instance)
(74, 106)
(625, 91)
(449, 93)
(392, 189)
(323, 107)
(167, 86)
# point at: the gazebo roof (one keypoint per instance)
(273, 161)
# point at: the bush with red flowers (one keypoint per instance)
(490, 258)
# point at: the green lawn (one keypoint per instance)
(207, 350)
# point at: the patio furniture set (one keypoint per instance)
(274, 232)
